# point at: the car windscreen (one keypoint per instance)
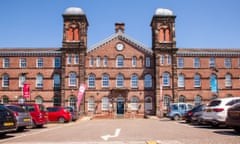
(16, 108)
(214, 103)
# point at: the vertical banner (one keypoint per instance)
(26, 91)
(213, 83)
(80, 94)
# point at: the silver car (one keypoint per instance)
(23, 117)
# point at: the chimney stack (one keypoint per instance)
(119, 27)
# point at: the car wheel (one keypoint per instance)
(176, 117)
(34, 125)
(61, 120)
(237, 129)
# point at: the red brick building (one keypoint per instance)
(123, 76)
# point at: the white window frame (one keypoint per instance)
(148, 81)
(57, 62)
(72, 79)
(105, 80)
(148, 61)
(91, 81)
(23, 62)
(120, 61)
(120, 80)
(134, 81)
(181, 80)
(39, 81)
(6, 62)
(39, 62)
(180, 62)
(134, 61)
(166, 79)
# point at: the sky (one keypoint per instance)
(199, 23)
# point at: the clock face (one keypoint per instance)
(119, 46)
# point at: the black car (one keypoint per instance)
(195, 114)
(7, 120)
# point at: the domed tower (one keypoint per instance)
(74, 46)
(164, 48)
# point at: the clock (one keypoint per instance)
(119, 46)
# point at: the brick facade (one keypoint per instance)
(123, 76)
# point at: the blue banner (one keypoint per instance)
(213, 83)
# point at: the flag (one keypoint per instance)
(26, 91)
(80, 93)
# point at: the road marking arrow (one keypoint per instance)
(106, 137)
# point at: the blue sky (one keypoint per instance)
(199, 23)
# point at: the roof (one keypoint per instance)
(29, 51)
(208, 52)
(73, 11)
(122, 36)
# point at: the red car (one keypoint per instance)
(38, 113)
(58, 114)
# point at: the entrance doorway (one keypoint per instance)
(120, 106)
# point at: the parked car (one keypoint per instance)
(195, 114)
(23, 117)
(215, 113)
(73, 112)
(58, 114)
(177, 110)
(233, 117)
(37, 112)
(8, 121)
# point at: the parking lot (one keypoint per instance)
(124, 131)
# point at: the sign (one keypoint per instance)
(26, 91)
(80, 93)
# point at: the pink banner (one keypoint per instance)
(80, 93)
(26, 91)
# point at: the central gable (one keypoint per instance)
(120, 37)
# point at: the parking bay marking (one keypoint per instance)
(116, 134)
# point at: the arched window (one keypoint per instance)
(39, 81)
(73, 101)
(5, 80)
(166, 102)
(105, 61)
(198, 100)
(167, 35)
(169, 59)
(134, 61)
(91, 104)
(197, 80)
(105, 80)
(72, 79)
(134, 81)
(105, 103)
(148, 81)
(134, 103)
(228, 80)
(182, 99)
(148, 104)
(57, 100)
(38, 100)
(120, 61)
(56, 80)
(91, 80)
(166, 79)
(22, 79)
(120, 80)
(91, 61)
(4, 100)
(181, 81)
